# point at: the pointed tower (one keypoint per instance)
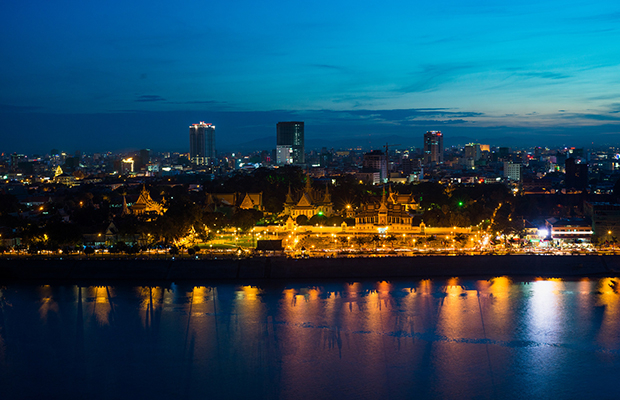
(383, 210)
(125, 210)
(327, 206)
(289, 196)
(308, 188)
(328, 197)
(289, 203)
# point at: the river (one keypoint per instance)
(486, 339)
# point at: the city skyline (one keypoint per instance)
(475, 70)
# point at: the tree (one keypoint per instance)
(360, 241)
(301, 220)
(318, 219)
(391, 239)
(376, 240)
(460, 238)
(246, 219)
(431, 239)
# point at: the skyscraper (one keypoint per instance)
(512, 171)
(202, 144)
(576, 176)
(378, 161)
(291, 134)
(433, 147)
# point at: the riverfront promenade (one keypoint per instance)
(73, 269)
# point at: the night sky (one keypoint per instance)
(110, 75)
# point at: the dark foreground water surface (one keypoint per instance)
(464, 339)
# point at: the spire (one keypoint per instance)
(289, 195)
(383, 208)
(327, 198)
(125, 210)
(308, 184)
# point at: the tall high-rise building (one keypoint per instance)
(512, 171)
(202, 144)
(292, 134)
(433, 147)
(472, 150)
(576, 176)
(376, 160)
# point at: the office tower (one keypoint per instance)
(433, 147)
(292, 134)
(202, 144)
(504, 154)
(472, 150)
(127, 165)
(512, 171)
(145, 157)
(376, 160)
(576, 176)
(284, 155)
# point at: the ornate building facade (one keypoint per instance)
(145, 205)
(311, 202)
(388, 214)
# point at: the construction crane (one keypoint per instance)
(387, 146)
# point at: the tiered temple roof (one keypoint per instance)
(310, 202)
(146, 205)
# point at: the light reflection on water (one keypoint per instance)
(425, 339)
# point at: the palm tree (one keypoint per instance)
(460, 238)
(376, 239)
(430, 240)
(391, 239)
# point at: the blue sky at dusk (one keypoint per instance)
(111, 75)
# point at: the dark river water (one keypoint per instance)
(486, 339)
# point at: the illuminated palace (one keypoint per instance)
(145, 205)
(312, 202)
(393, 212)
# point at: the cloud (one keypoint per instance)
(593, 117)
(197, 102)
(605, 97)
(432, 76)
(327, 66)
(402, 117)
(145, 98)
(614, 16)
(544, 75)
(13, 108)
(614, 108)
